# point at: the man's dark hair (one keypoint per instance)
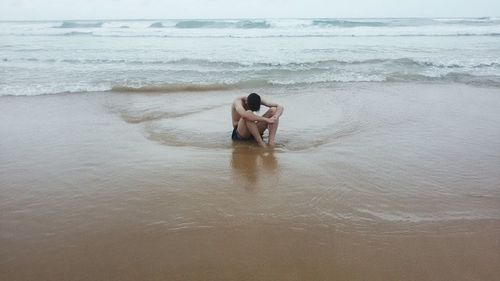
(253, 102)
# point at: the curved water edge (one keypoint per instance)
(379, 134)
(355, 116)
(198, 125)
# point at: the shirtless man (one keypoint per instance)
(248, 125)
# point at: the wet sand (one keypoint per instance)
(369, 182)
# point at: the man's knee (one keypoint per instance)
(270, 112)
(250, 123)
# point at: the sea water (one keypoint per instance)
(49, 57)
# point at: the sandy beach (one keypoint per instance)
(369, 181)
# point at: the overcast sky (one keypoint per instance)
(165, 9)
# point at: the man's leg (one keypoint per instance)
(264, 125)
(254, 131)
(249, 128)
(273, 128)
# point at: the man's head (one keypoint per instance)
(253, 102)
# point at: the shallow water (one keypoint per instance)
(369, 181)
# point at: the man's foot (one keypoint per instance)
(262, 144)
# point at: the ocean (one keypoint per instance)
(50, 57)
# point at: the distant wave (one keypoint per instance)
(303, 66)
(346, 23)
(222, 24)
(454, 77)
(309, 35)
(398, 61)
(242, 36)
(253, 24)
(182, 61)
(320, 63)
(493, 64)
(302, 35)
(404, 22)
(468, 21)
(200, 24)
(380, 24)
(156, 25)
(77, 33)
(71, 24)
(326, 63)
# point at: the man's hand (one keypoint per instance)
(271, 120)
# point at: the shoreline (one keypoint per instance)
(246, 86)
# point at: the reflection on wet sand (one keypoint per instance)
(250, 163)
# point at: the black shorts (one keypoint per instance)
(236, 136)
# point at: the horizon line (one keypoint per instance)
(236, 18)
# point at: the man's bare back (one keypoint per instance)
(248, 125)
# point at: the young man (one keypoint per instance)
(248, 125)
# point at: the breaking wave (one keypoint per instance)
(453, 77)
(77, 33)
(263, 84)
(71, 24)
(279, 35)
(190, 87)
(469, 21)
(222, 24)
(405, 22)
(156, 25)
(322, 64)
(345, 23)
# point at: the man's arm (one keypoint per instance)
(249, 115)
(279, 108)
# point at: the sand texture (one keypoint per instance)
(369, 181)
